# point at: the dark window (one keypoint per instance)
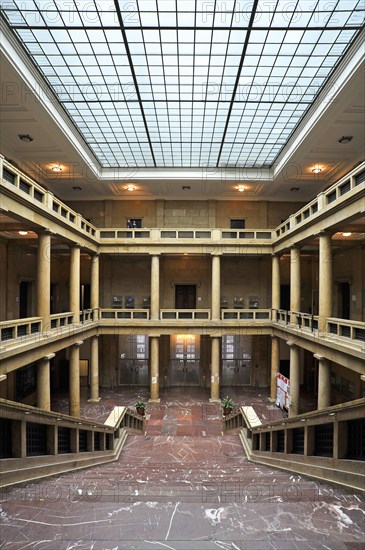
(298, 441)
(82, 441)
(134, 223)
(237, 224)
(36, 439)
(5, 438)
(324, 440)
(25, 381)
(64, 440)
(356, 439)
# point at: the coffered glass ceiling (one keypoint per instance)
(185, 83)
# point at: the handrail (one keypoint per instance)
(59, 442)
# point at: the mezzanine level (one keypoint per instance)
(343, 340)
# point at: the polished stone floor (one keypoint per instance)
(182, 486)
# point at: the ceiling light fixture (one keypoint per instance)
(23, 233)
(345, 139)
(131, 188)
(56, 167)
(317, 169)
(25, 137)
(347, 234)
(241, 188)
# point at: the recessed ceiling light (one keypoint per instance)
(347, 234)
(25, 137)
(317, 169)
(241, 188)
(23, 233)
(131, 188)
(345, 139)
(56, 167)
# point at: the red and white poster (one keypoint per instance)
(282, 391)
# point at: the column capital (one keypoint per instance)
(75, 245)
(158, 254)
(325, 233)
(154, 335)
(319, 357)
(217, 254)
(45, 231)
(49, 356)
(78, 344)
(94, 254)
(291, 344)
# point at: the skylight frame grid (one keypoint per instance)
(209, 125)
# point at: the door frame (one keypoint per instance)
(186, 285)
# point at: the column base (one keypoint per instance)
(94, 400)
(154, 400)
(217, 401)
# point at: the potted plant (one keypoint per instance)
(227, 405)
(140, 406)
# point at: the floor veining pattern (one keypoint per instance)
(182, 486)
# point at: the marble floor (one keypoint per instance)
(182, 486)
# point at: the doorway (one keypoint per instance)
(344, 300)
(285, 297)
(25, 299)
(185, 296)
(185, 360)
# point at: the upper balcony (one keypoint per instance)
(23, 197)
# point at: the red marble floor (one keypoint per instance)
(182, 486)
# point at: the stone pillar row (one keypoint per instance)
(43, 311)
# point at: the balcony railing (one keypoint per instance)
(15, 181)
(343, 328)
(183, 314)
(20, 328)
(37, 195)
(107, 314)
(331, 197)
(60, 320)
(246, 314)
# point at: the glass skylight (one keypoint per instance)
(185, 83)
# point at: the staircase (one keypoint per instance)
(181, 492)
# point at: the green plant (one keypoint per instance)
(227, 403)
(140, 404)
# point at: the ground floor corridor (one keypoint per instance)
(182, 486)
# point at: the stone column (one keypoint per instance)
(75, 283)
(294, 282)
(325, 280)
(154, 382)
(275, 365)
(155, 287)
(216, 288)
(94, 286)
(43, 383)
(275, 286)
(94, 370)
(74, 389)
(44, 280)
(294, 379)
(324, 382)
(214, 380)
